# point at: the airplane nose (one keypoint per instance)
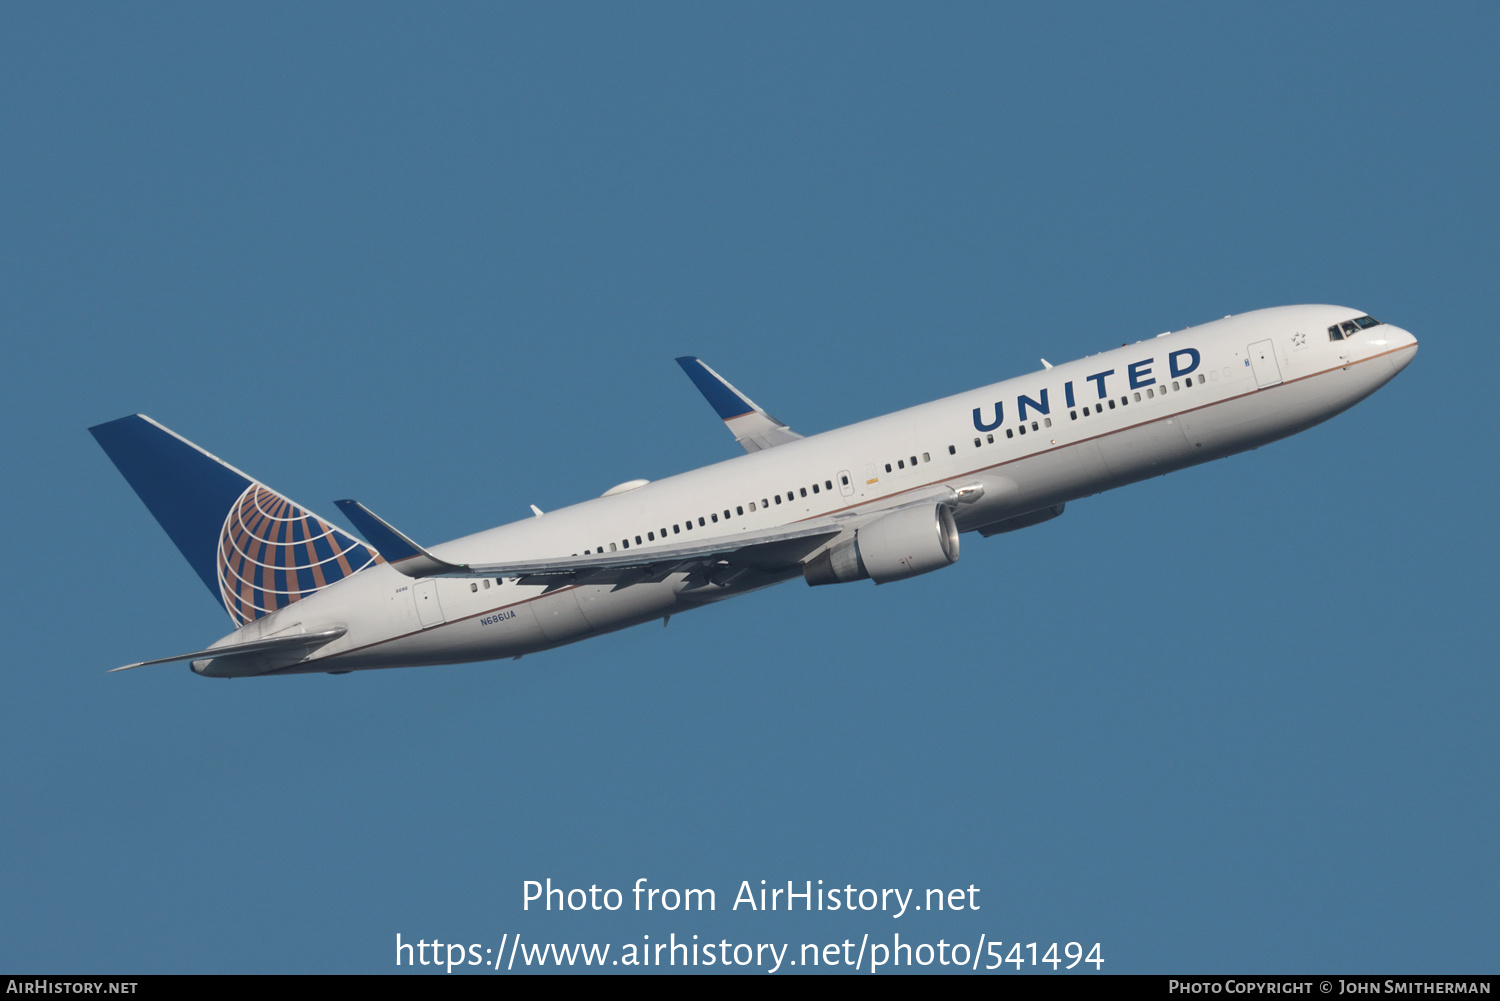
(1404, 345)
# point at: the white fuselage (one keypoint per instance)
(1089, 425)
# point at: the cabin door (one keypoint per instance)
(1263, 364)
(429, 608)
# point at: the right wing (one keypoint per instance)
(751, 426)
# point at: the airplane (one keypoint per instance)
(884, 500)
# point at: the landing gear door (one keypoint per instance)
(1263, 364)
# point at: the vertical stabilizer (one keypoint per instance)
(256, 550)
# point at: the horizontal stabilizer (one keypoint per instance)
(279, 644)
(751, 426)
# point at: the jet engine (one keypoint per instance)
(900, 545)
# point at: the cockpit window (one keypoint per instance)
(1349, 328)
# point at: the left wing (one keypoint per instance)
(777, 548)
(781, 547)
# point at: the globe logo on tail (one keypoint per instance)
(273, 552)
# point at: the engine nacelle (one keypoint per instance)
(900, 545)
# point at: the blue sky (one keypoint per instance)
(1240, 718)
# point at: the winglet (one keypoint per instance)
(399, 550)
(751, 426)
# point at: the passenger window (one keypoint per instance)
(765, 503)
(612, 547)
(1023, 428)
(473, 586)
(625, 543)
(990, 438)
(914, 460)
(844, 480)
(650, 536)
(638, 540)
(1175, 387)
(1137, 397)
(675, 530)
(1072, 415)
(752, 507)
(900, 463)
(804, 491)
(827, 484)
(701, 522)
(952, 450)
(726, 514)
(887, 467)
(1200, 378)
(1009, 433)
(715, 517)
(1034, 426)
(1111, 404)
(926, 457)
(486, 583)
(1047, 421)
(815, 488)
(976, 445)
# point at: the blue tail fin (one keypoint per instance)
(256, 550)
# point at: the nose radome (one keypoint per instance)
(1402, 347)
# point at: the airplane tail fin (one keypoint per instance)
(255, 549)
